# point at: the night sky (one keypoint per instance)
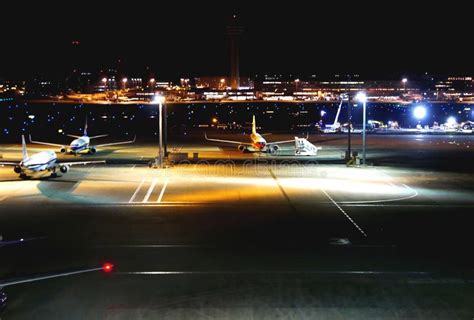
(385, 39)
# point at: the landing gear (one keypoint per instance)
(23, 176)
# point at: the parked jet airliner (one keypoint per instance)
(82, 143)
(257, 142)
(41, 164)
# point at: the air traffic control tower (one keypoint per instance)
(234, 32)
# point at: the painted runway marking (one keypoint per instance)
(282, 190)
(345, 214)
(251, 272)
(383, 200)
(413, 194)
(136, 191)
(65, 274)
(155, 246)
(163, 190)
(150, 190)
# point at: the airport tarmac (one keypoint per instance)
(237, 239)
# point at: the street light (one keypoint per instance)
(404, 81)
(152, 84)
(124, 83)
(159, 100)
(419, 112)
(451, 121)
(362, 97)
(104, 81)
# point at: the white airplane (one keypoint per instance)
(82, 143)
(41, 164)
(257, 142)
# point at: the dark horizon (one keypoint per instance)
(172, 41)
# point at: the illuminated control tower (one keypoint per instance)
(234, 32)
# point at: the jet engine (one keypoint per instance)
(64, 169)
(92, 150)
(63, 150)
(17, 169)
(241, 147)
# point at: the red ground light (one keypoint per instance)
(108, 267)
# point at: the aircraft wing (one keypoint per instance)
(10, 163)
(281, 142)
(46, 143)
(286, 141)
(99, 136)
(76, 163)
(73, 136)
(228, 141)
(116, 143)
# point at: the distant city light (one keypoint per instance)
(419, 112)
(124, 80)
(404, 80)
(323, 113)
(104, 80)
(214, 120)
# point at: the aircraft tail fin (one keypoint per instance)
(254, 125)
(85, 128)
(23, 148)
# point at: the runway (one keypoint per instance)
(240, 239)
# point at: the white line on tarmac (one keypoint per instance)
(414, 193)
(382, 200)
(155, 246)
(250, 272)
(65, 274)
(136, 191)
(345, 214)
(163, 190)
(150, 190)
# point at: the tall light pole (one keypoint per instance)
(152, 84)
(362, 97)
(104, 81)
(160, 100)
(124, 83)
(404, 81)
